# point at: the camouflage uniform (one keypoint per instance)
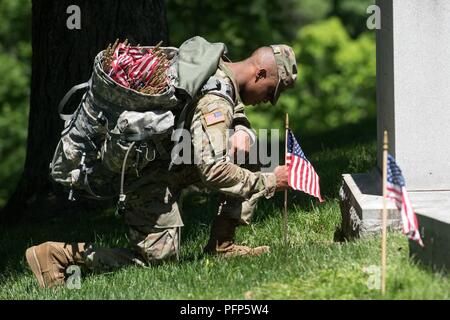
(153, 205)
(153, 210)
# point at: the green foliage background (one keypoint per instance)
(335, 51)
(15, 71)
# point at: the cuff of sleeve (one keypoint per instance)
(271, 185)
(250, 132)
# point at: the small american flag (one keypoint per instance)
(396, 191)
(302, 175)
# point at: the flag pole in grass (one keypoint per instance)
(301, 173)
(285, 215)
(384, 217)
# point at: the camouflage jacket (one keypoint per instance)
(211, 120)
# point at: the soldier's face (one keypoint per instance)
(260, 89)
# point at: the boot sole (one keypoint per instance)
(34, 265)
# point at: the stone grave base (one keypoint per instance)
(361, 204)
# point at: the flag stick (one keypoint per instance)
(285, 216)
(384, 219)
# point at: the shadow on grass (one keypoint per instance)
(78, 227)
(349, 148)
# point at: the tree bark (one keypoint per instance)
(61, 59)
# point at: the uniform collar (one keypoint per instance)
(229, 74)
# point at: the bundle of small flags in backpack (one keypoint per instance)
(137, 68)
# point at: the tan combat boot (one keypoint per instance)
(49, 260)
(221, 240)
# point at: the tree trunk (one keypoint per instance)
(61, 59)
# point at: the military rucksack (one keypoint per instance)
(114, 130)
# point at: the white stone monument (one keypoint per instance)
(413, 105)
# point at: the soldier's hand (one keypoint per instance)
(240, 143)
(281, 173)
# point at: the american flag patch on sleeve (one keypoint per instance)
(214, 117)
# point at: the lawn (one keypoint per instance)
(314, 265)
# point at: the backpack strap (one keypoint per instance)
(69, 94)
(214, 85)
(219, 87)
(178, 134)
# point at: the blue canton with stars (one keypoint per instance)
(293, 146)
(394, 174)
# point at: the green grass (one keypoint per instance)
(313, 266)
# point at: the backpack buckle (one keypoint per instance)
(71, 196)
(101, 119)
(121, 207)
(82, 164)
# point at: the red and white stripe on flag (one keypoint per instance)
(409, 218)
(302, 176)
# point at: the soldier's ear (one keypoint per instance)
(262, 74)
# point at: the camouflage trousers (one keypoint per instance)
(153, 215)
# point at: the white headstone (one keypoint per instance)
(413, 89)
(413, 104)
